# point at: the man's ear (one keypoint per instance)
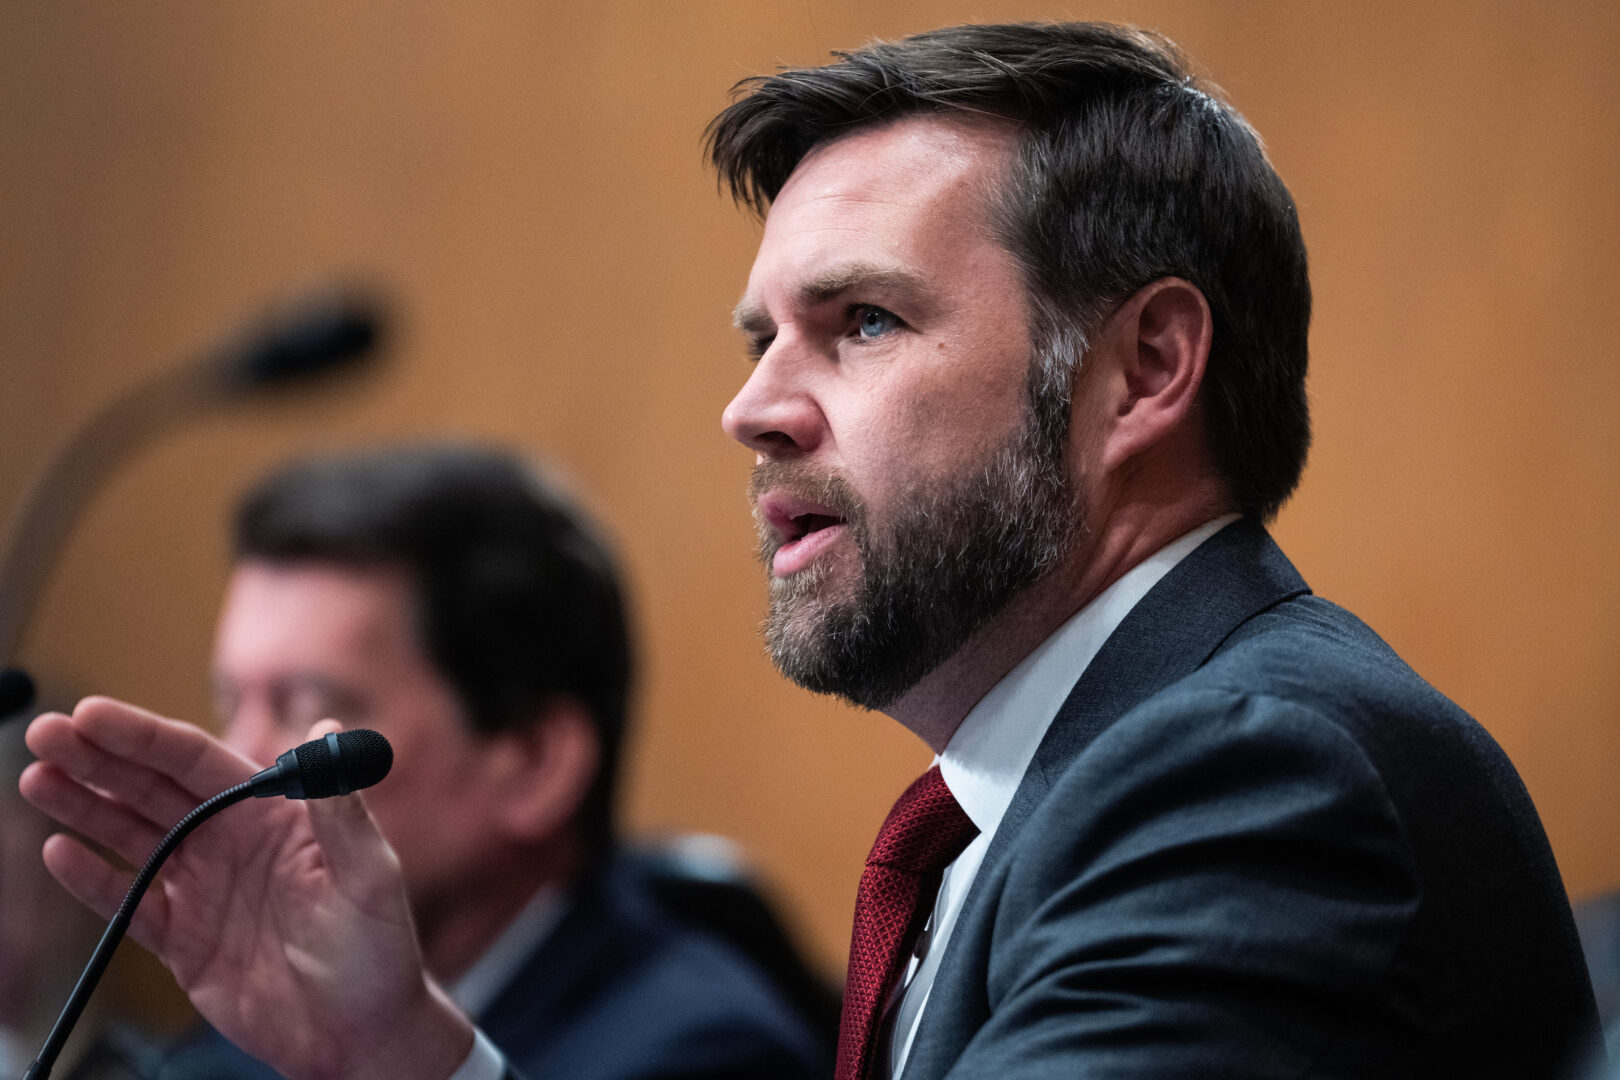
(1158, 343)
(538, 775)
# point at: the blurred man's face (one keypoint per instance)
(306, 641)
(903, 490)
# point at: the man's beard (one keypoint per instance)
(941, 561)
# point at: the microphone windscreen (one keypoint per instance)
(367, 757)
(322, 332)
(364, 757)
(16, 691)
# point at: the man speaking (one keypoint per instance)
(1029, 323)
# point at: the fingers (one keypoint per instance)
(362, 866)
(185, 754)
(58, 741)
(85, 874)
(101, 888)
(160, 768)
(322, 728)
(113, 825)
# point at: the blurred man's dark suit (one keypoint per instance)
(1255, 844)
(617, 991)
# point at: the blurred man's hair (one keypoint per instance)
(1127, 170)
(518, 597)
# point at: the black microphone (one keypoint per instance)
(320, 332)
(341, 762)
(16, 691)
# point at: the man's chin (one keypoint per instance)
(799, 618)
(802, 627)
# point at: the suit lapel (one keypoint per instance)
(1173, 631)
(602, 933)
(1231, 577)
(522, 1014)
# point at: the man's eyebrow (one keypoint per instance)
(835, 283)
(751, 318)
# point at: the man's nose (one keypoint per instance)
(776, 414)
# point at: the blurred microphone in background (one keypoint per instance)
(322, 331)
(16, 691)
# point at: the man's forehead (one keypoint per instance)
(919, 141)
(849, 183)
(898, 164)
(305, 605)
(322, 574)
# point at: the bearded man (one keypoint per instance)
(1029, 322)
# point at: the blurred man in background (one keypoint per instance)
(454, 601)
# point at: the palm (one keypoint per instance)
(266, 922)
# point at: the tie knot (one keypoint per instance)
(926, 829)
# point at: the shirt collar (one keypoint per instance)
(986, 758)
(480, 984)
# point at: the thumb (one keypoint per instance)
(357, 857)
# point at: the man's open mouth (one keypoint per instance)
(805, 524)
(803, 530)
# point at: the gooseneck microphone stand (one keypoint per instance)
(41, 1068)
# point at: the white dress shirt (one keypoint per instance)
(986, 758)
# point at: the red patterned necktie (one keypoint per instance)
(924, 832)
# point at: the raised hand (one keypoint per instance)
(285, 922)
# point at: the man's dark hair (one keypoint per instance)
(1127, 170)
(518, 598)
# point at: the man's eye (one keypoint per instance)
(758, 345)
(873, 322)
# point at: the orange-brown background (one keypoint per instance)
(526, 177)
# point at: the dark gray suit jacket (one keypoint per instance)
(1255, 844)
